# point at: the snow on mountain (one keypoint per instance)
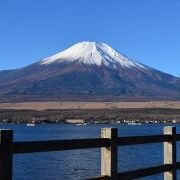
(93, 53)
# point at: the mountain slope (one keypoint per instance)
(88, 71)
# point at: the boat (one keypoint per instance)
(134, 124)
(30, 124)
(81, 124)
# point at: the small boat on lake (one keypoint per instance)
(30, 124)
(134, 124)
(81, 124)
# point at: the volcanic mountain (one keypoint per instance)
(88, 71)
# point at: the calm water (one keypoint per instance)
(81, 164)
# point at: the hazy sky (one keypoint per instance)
(148, 31)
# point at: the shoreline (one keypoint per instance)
(141, 115)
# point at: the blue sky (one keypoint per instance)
(148, 31)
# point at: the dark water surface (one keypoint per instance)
(82, 164)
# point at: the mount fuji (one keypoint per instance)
(88, 71)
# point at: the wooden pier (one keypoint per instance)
(108, 143)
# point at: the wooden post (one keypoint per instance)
(109, 155)
(6, 142)
(170, 153)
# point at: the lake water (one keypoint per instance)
(82, 164)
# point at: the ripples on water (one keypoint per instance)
(81, 164)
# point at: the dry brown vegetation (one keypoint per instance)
(39, 106)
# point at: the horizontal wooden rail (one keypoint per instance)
(144, 172)
(58, 145)
(134, 140)
(178, 165)
(140, 173)
(100, 178)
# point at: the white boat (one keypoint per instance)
(134, 124)
(81, 124)
(30, 124)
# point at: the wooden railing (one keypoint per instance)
(108, 143)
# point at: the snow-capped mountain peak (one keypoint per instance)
(92, 53)
(92, 72)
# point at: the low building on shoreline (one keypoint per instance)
(75, 121)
